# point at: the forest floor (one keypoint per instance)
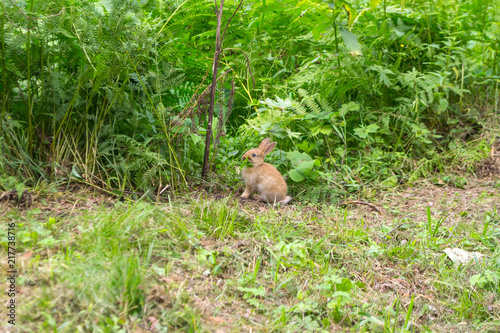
(88, 262)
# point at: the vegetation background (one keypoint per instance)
(360, 95)
(113, 93)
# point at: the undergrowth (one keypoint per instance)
(114, 93)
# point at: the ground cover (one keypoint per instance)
(89, 262)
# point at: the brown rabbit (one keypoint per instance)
(263, 177)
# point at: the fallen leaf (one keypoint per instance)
(166, 279)
(459, 256)
(217, 319)
(27, 255)
(153, 321)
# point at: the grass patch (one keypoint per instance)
(202, 264)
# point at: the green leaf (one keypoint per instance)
(372, 128)
(350, 41)
(302, 163)
(107, 5)
(65, 32)
(20, 190)
(279, 103)
(197, 139)
(305, 167)
(339, 298)
(390, 182)
(460, 182)
(443, 105)
(297, 157)
(301, 171)
(295, 176)
(292, 135)
(351, 106)
(487, 278)
(75, 173)
(306, 146)
(364, 131)
(245, 163)
(351, 13)
(327, 130)
(48, 241)
(385, 79)
(382, 74)
(374, 4)
(375, 251)
(254, 302)
(252, 291)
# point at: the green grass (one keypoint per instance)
(87, 263)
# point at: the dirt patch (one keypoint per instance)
(471, 202)
(491, 165)
(22, 200)
(58, 203)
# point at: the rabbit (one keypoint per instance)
(263, 177)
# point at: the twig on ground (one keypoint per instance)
(390, 232)
(362, 203)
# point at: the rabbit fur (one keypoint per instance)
(263, 177)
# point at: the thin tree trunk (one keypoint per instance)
(208, 138)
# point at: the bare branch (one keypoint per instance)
(224, 33)
(362, 203)
(208, 139)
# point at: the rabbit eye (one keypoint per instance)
(253, 155)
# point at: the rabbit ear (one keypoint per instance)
(264, 143)
(269, 148)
